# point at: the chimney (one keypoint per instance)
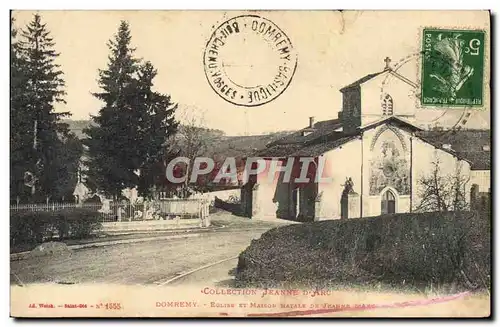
(311, 122)
(387, 61)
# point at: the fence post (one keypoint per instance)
(119, 212)
(207, 212)
(205, 217)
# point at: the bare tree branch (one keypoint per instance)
(440, 192)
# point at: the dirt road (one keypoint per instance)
(141, 263)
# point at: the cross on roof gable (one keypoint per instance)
(387, 70)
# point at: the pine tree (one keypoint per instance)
(155, 126)
(64, 168)
(132, 127)
(20, 149)
(36, 86)
(109, 165)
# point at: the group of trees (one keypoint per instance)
(127, 143)
(44, 154)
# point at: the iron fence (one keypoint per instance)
(163, 209)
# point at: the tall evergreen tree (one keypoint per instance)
(109, 163)
(156, 126)
(133, 125)
(65, 166)
(36, 86)
(20, 148)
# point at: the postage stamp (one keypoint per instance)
(186, 164)
(449, 119)
(249, 60)
(453, 67)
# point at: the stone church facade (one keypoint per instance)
(374, 156)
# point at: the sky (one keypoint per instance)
(333, 50)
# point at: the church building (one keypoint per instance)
(375, 156)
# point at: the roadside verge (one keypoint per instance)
(132, 237)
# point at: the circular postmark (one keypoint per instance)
(249, 60)
(443, 118)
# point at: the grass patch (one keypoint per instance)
(435, 252)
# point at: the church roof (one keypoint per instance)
(278, 151)
(464, 140)
(480, 160)
(320, 130)
(368, 77)
(323, 137)
(395, 119)
(472, 145)
(311, 149)
(361, 80)
(318, 149)
(466, 144)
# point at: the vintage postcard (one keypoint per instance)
(250, 164)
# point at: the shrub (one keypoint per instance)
(81, 223)
(28, 227)
(422, 250)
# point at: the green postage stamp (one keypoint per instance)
(452, 68)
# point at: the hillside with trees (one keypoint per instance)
(220, 144)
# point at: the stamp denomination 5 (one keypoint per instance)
(452, 67)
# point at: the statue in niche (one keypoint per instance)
(344, 200)
(348, 186)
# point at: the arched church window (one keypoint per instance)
(387, 105)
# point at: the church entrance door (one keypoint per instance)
(388, 203)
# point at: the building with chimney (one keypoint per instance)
(376, 159)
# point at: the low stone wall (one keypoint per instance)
(224, 195)
(184, 207)
(153, 225)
